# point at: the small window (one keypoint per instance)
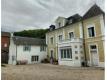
(26, 48)
(42, 48)
(59, 24)
(75, 46)
(93, 48)
(80, 46)
(71, 35)
(51, 40)
(76, 57)
(35, 58)
(60, 37)
(76, 52)
(91, 32)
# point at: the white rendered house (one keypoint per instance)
(24, 49)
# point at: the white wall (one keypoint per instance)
(26, 55)
(73, 61)
(12, 52)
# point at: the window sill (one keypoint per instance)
(66, 59)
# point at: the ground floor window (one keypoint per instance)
(66, 53)
(35, 58)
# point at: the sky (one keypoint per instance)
(18, 15)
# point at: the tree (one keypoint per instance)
(38, 33)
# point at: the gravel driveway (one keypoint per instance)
(50, 72)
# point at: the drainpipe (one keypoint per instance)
(16, 53)
(85, 64)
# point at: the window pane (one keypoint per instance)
(64, 53)
(93, 47)
(68, 53)
(91, 32)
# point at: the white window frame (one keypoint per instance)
(50, 40)
(60, 35)
(66, 54)
(89, 26)
(69, 31)
(29, 48)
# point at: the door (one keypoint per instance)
(94, 55)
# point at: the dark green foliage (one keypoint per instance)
(38, 33)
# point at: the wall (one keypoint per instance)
(98, 39)
(26, 55)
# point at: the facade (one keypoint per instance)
(26, 50)
(78, 40)
(5, 41)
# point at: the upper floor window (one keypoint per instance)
(91, 32)
(26, 48)
(42, 48)
(59, 24)
(71, 35)
(60, 37)
(51, 40)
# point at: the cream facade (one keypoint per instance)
(79, 41)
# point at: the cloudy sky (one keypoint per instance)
(34, 14)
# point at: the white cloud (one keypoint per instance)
(32, 14)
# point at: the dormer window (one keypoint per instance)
(70, 21)
(59, 24)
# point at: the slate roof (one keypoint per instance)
(75, 18)
(7, 34)
(93, 11)
(28, 41)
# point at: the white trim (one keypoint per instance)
(91, 25)
(90, 53)
(70, 32)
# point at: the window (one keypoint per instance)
(42, 48)
(60, 37)
(76, 52)
(66, 53)
(75, 46)
(51, 54)
(91, 32)
(71, 35)
(80, 46)
(93, 48)
(51, 40)
(26, 48)
(59, 24)
(35, 58)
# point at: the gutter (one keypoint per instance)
(85, 63)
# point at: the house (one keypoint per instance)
(25, 50)
(78, 40)
(5, 41)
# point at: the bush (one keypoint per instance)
(45, 61)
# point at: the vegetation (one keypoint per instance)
(38, 33)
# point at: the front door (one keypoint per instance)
(94, 55)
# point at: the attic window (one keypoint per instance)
(70, 21)
(26, 48)
(59, 24)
